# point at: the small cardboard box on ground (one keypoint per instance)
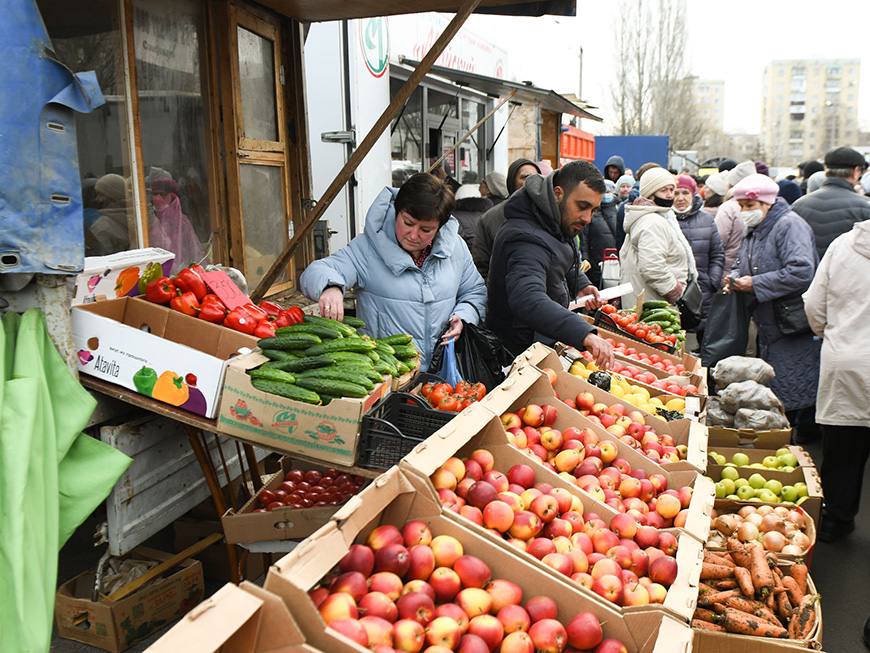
(506, 397)
(722, 436)
(116, 625)
(329, 433)
(288, 523)
(215, 563)
(118, 275)
(477, 428)
(243, 619)
(394, 499)
(807, 475)
(157, 352)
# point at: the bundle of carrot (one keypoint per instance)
(744, 591)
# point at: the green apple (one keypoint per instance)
(740, 482)
(787, 460)
(728, 484)
(770, 461)
(801, 488)
(720, 459)
(782, 450)
(733, 497)
(789, 493)
(801, 500)
(787, 469)
(730, 473)
(774, 486)
(757, 481)
(767, 496)
(740, 459)
(757, 466)
(720, 490)
(745, 492)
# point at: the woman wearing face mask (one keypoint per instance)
(411, 270)
(699, 228)
(600, 234)
(776, 263)
(655, 256)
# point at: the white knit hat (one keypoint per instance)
(718, 183)
(654, 180)
(467, 190)
(740, 171)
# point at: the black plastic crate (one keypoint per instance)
(419, 379)
(394, 426)
(606, 321)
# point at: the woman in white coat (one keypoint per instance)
(838, 311)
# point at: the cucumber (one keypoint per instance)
(339, 374)
(405, 352)
(302, 364)
(390, 360)
(385, 368)
(655, 303)
(403, 368)
(287, 390)
(381, 346)
(271, 374)
(290, 341)
(354, 322)
(351, 358)
(333, 388)
(660, 314)
(397, 339)
(323, 332)
(374, 356)
(345, 344)
(335, 324)
(279, 355)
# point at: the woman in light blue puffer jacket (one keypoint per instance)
(412, 271)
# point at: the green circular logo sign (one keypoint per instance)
(374, 40)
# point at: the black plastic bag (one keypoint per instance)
(727, 330)
(480, 356)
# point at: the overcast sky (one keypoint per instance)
(732, 41)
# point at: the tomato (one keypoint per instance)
(275, 505)
(631, 328)
(449, 403)
(287, 486)
(479, 391)
(640, 333)
(437, 395)
(655, 358)
(294, 475)
(312, 476)
(609, 309)
(462, 388)
(265, 497)
(426, 390)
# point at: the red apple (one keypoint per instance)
(473, 572)
(392, 557)
(541, 607)
(384, 535)
(517, 642)
(353, 583)
(474, 601)
(446, 584)
(378, 604)
(561, 562)
(408, 636)
(526, 525)
(499, 516)
(379, 632)
(608, 586)
(416, 531)
(663, 571)
(522, 474)
(548, 636)
(338, 606)
(584, 631)
(546, 507)
(488, 628)
(416, 606)
(447, 550)
(352, 629)
(388, 583)
(359, 557)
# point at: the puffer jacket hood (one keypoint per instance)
(861, 238)
(617, 161)
(512, 173)
(540, 191)
(634, 212)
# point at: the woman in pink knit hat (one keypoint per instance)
(775, 266)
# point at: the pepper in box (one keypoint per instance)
(160, 291)
(190, 280)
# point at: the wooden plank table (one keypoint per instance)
(196, 427)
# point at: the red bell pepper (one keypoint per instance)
(265, 329)
(282, 320)
(240, 320)
(213, 309)
(189, 280)
(186, 303)
(272, 309)
(160, 291)
(255, 312)
(294, 315)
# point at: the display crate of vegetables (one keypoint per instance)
(307, 388)
(747, 593)
(786, 532)
(658, 325)
(292, 504)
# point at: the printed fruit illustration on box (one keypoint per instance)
(126, 281)
(170, 388)
(625, 561)
(407, 590)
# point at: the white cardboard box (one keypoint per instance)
(117, 275)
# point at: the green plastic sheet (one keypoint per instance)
(52, 476)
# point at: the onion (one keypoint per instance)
(798, 518)
(782, 511)
(772, 522)
(745, 511)
(714, 513)
(747, 532)
(773, 541)
(764, 510)
(791, 550)
(801, 540)
(727, 524)
(755, 518)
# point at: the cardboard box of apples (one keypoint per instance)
(392, 572)
(543, 517)
(680, 445)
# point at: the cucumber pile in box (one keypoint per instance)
(665, 315)
(322, 359)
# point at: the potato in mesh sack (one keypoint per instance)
(716, 415)
(760, 420)
(749, 394)
(742, 368)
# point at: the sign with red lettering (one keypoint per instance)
(222, 286)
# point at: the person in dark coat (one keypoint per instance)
(807, 169)
(470, 206)
(535, 268)
(777, 259)
(492, 220)
(789, 190)
(614, 168)
(835, 207)
(700, 230)
(600, 234)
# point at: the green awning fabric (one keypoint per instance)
(52, 476)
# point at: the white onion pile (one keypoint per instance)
(778, 529)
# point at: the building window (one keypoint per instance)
(472, 152)
(103, 135)
(442, 124)
(834, 71)
(406, 139)
(170, 42)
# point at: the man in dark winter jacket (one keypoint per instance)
(470, 207)
(492, 220)
(807, 169)
(535, 267)
(699, 228)
(600, 234)
(835, 207)
(614, 168)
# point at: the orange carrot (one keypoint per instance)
(752, 607)
(744, 581)
(724, 584)
(706, 625)
(703, 615)
(739, 552)
(762, 576)
(709, 571)
(741, 623)
(795, 596)
(718, 597)
(799, 572)
(783, 605)
(709, 556)
(803, 618)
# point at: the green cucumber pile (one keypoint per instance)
(666, 316)
(323, 359)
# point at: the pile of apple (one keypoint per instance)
(311, 488)
(626, 563)
(637, 374)
(653, 360)
(405, 590)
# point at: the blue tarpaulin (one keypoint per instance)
(41, 227)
